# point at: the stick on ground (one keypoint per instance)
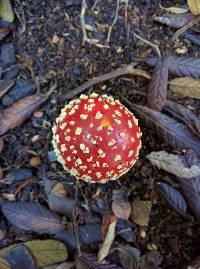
(127, 70)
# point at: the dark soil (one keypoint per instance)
(69, 63)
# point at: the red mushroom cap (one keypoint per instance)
(96, 138)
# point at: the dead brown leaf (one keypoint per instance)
(141, 211)
(17, 113)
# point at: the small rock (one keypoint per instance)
(38, 114)
(35, 138)
(55, 39)
(152, 246)
(143, 234)
(35, 162)
(7, 55)
(52, 156)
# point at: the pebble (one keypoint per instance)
(38, 114)
(35, 162)
(52, 156)
(143, 234)
(55, 39)
(35, 138)
(152, 246)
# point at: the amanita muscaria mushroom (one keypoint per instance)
(96, 138)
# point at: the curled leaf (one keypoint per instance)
(173, 164)
(188, 86)
(105, 247)
(17, 113)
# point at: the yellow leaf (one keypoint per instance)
(194, 6)
(4, 264)
(187, 86)
(6, 11)
(176, 10)
(105, 247)
(44, 252)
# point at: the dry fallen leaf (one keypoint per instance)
(187, 86)
(194, 6)
(121, 207)
(45, 252)
(17, 113)
(173, 164)
(141, 211)
(105, 247)
(176, 10)
(157, 88)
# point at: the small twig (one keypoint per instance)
(127, 70)
(94, 5)
(114, 22)
(91, 41)
(154, 46)
(23, 19)
(185, 28)
(126, 12)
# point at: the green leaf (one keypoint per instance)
(6, 11)
(44, 252)
(176, 10)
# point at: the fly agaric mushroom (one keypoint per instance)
(96, 138)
